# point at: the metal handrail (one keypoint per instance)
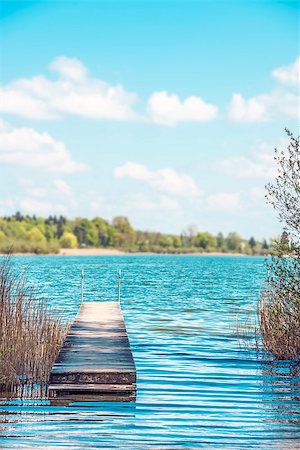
(82, 284)
(119, 286)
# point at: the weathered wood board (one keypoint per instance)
(96, 358)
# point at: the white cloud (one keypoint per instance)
(167, 109)
(64, 191)
(21, 103)
(48, 196)
(69, 68)
(63, 188)
(164, 180)
(50, 188)
(265, 107)
(43, 208)
(37, 192)
(258, 166)
(166, 202)
(288, 74)
(51, 197)
(28, 148)
(135, 171)
(251, 110)
(7, 206)
(74, 92)
(168, 180)
(139, 201)
(225, 201)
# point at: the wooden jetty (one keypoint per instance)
(95, 362)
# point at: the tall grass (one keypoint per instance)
(279, 325)
(275, 331)
(30, 335)
(279, 310)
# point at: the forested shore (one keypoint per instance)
(30, 234)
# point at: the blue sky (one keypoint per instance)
(167, 112)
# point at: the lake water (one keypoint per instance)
(197, 387)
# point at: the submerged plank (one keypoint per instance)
(96, 355)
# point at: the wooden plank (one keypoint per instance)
(93, 387)
(96, 355)
(66, 399)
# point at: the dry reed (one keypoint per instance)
(30, 335)
(279, 310)
(276, 333)
(279, 324)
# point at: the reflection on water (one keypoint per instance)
(282, 381)
(196, 387)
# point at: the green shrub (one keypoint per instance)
(35, 235)
(68, 240)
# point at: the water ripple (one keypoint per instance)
(197, 387)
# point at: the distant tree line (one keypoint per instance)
(23, 233)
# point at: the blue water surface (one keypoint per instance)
(197, 385)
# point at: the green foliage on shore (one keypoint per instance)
(31, 234)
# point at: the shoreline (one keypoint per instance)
(115, 252)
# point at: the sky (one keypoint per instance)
(167, 112)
